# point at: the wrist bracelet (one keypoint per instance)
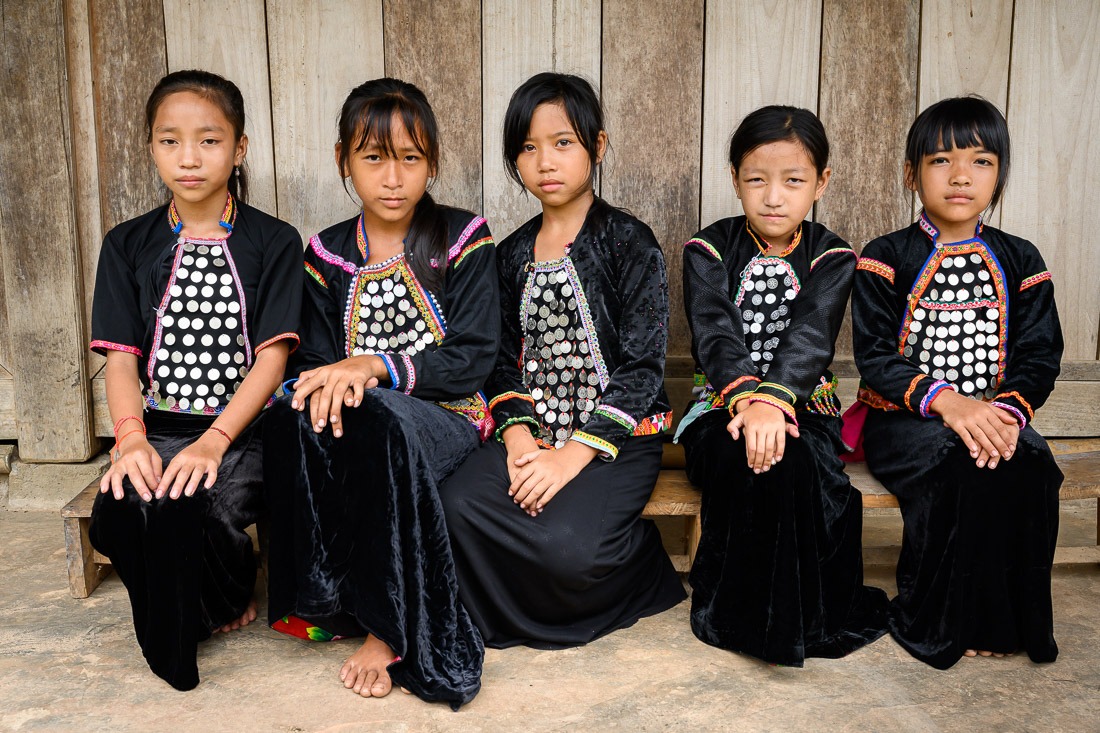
(222, 432)
(118, 442)
(123, 420)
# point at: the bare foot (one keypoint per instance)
(364, 672)
(983, 653)
(246, 618)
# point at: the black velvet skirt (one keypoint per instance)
(588, 565)
(358, 542)
(779, 570)
(974, 571)
(187, 563)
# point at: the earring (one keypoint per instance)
(237, 171)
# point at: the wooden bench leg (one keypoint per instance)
(694, 532)
(86, 571)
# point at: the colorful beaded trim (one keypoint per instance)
(425, 302)
(1019, 398)
(316, 275)
(469, 248)
(505, 396)
(593, 442)
(617, 415)
(833, 251)
(387, 361)
(780, 388)
(536, 429)
(111, 346)
(767, 245)
(1020, 419)
(1035, 280)
(937, 387)
(474, 409)
(823, 399)
(458, 246)
(289, 335)
(228, 218)
(913, 386)
(734, 385)
(705, 245)
(775, 402)
(329, 257)
(879, 268)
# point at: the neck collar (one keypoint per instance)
(764, 245)
(228, 218)
(933, 232)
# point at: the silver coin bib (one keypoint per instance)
(389, 312)
(766, 295)
(955, 330)
(561, 363)
(200, 350)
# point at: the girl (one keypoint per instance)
(958, 342)
(400, 333)
(196, 307)
(550, 546)
(779, 570)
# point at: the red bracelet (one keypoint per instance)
(118, 442)
(223, 433)
(128, 417)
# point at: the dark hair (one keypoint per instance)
(582, 109)
(776, 123)
(960, 122)
(215, 89)
(367, 117)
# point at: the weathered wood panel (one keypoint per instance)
(965, 49)
(5, 343)
(756, 54)
(1054, 109)
(866, 158)
(654, 169)
(522, 39)
(125, 72)
(42, 277)
(448, 69)
(229, 38)
(89, 226)
(319, 52)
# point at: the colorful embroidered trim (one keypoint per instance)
(913, 386)
(329, 257)
(424, 301)
(775, 402)
(937, 387)
(468, 232)
(228, 218)
(705, 245)
(1035, 280)
(316, 275)
(734, 399)
(654, 424)
(244, 304)
(158, 331)
(289, 335)
(871, 398)
(505, 396)
(473, 246)
(934, 233)
(474, 409)
(617, 415)
(361, 238)
(593, 442)
(112, 346)
(410, 373)
(532, 422)
(780, 388)
(833, 251)
(1020, 419)
(1019, 398)
(879, 268)
(823, 399)
(796, 285)
(387, 361)
(764, 249)
(734, 385)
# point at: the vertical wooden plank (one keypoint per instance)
(5, 343)
(319, 52)
(1053, 115)
(867, 158)
(39, 249)
(756, 53)
(124, 74)
(78, 42)
(437, 46)
(654, 169)
(522, 39)
(230, 38)
(964, 49)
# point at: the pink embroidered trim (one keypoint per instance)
(705, 245)
(410, 373)
(112, 346)
(395, 382)
(244, 305)
(934, 390)
(289, 335)
(833, 251)
(468, 232)
(1035, 280)
(329, 257)
(160, 313)
(775, 402)
(1020, 419)
(617, 415)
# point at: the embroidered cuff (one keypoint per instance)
(786, 408)
(535, 427)
(913, 386)
(608, 452)
(410, 373)
(617, 415)
(1020, 419)
(391, 368)
(1003, 398)
(938, 386)
(737, 390)
(288, 336)
(776, 391)
(102, 347)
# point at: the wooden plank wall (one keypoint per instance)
(676, 79)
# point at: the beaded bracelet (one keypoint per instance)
(128, 417)
(118, 441)
(223, 433)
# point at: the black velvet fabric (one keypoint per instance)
(974, 571)
(779, 570)
(586, 566)
(358, 537)
(187, 563)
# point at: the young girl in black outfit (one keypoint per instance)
(545, 519)
(957, 340)
(196, 307)
(779, 571)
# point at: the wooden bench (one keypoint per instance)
(673, 496)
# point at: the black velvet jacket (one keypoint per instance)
(451, 369)
(621, 270)
(715, 265)
(893, 274)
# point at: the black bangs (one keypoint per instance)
(961, 122)
(376, 127)
(574, 94)
(776, 123)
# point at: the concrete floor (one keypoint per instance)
(67, 664)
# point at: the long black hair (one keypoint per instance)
(776, 123)
(367, 118)
(217, 90)
(961, 122)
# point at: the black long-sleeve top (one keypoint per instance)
(798, 336)
(896, 275)
(454, 357)
(621, 272)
